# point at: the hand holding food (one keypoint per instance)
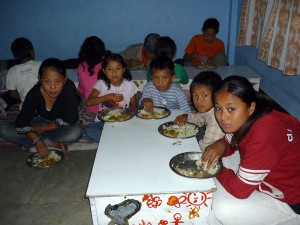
(148, 104)
(213, 153)
(181, 119)
(115, 97)
(41, 148)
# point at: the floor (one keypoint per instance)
(50, 196)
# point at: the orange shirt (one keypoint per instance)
(145, 59)
(197, 44)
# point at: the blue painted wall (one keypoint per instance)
(57, 28)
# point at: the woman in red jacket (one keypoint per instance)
(264, 187)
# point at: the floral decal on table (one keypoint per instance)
(185, 208)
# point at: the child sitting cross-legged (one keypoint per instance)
(114, 89)
(161, 91)
(201, 91)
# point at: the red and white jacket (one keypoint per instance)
(270, 160)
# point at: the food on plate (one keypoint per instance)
(203, 166)
(180, 131)
(189, 164)
(189, 172)
(157, 113)
(206, 67)
(52, 159)
(140, 67)
(117, 115)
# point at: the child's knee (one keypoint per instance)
(73, 134)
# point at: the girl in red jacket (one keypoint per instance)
(264, 187)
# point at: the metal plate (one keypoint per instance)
(54, 156)
(206, 67)
(141, 68)
(115, 115)
(141, 113)
(187, 130)
(184, 164)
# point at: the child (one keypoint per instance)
(206, 48)
(113, 89)
(161, 91)
(264, 189)
(141, 54)
(49, 116)
(23, 76)
(166, 46)
(91, 54)
(201, 91)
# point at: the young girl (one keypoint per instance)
(113, 89)
(91, 54)
(265, 188)
(49, 116)
(201, 91)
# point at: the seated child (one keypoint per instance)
(166, 46)
(206, 48)
(23, 76)
(141, 54)
(262, 185)
(201, 91)
(49, 116)
(114, 88)
(91, 54)
(161, 91)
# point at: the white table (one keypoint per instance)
(132, 162)
(139, 77)
(245, 71)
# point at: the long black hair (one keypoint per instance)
(113, 57)
(92, 51)
(53, 63)
(243, 89)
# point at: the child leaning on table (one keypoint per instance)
(201, 91)
(161, 91)
(206, 48)
(114, 89)
(261, 183)
(142, 53)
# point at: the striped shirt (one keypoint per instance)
(213, 131)
(173, 98)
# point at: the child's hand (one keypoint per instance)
(148, 105)
(181, 119)
(41, 149)
(196, 61)
(115, 97)
(133, 63)
(214, 152)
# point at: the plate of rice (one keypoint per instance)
(157, 113)
(115, 115)
(172, 130)
(189, 164)
(55, 155)
(206, 67)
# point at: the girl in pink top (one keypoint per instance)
(91, 55)
(114, 88)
